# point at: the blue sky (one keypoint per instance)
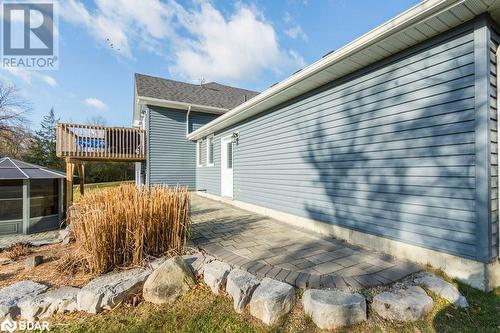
(251, 44)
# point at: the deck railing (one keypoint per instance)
(93, 142)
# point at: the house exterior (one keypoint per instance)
(169, 110)
(390, 142)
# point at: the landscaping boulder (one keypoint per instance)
(271, 300)
(155, 263)
(46, 304)
(442, 288)
(33, 261)
(195, 262)
(17, 293)
(215, 275)
(208, 259)
(332, 309)
(109, 290)
(42, 242)
(168, 282)
(408, 304)
(241, 285)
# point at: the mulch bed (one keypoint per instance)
(12, 271)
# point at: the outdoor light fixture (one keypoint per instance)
(235, 137)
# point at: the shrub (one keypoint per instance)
(18, 250)
(122, 226)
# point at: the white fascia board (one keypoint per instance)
(257, 104)
(143, 100)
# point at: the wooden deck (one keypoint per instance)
(80, 143)
(88, 143)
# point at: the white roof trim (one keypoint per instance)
(265, 100)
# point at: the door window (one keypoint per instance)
(229, 155)
(210, 151)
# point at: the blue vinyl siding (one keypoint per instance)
(389, 150)
(172, 158)
(208, 177)
(198, 119)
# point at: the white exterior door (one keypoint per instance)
(226, 165)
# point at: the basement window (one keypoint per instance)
(210, 151)
(198, 153)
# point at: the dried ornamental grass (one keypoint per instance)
(122, 226)
(17, 250)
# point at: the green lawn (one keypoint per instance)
(202, 311)
(95, 187)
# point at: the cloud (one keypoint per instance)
(20, 73)
(296, 32)
(29, 76)
(297, 58)
(287, 17)
(95, 103)
(114, 24)
(199, 41)
(49, 80)
(234, 49)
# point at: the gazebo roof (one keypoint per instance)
(14, 169)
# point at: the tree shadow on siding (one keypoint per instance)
(402, 170)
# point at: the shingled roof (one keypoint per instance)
(208, 94)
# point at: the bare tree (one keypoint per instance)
(16, 143)
(97, 120)
(13, 110)
(13, 130)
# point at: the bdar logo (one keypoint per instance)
(8, 326)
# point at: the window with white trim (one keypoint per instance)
(198, 153)
(210, 151)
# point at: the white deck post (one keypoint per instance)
(138, 174)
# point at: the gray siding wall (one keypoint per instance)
(208, 177)
(171, 158)
(389, 150)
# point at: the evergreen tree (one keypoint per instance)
(43, 149)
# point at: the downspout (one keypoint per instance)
(187, 120)
(146, 148)
(139, 166)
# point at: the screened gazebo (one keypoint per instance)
(31, 197)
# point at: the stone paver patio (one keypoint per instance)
(269, 248)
